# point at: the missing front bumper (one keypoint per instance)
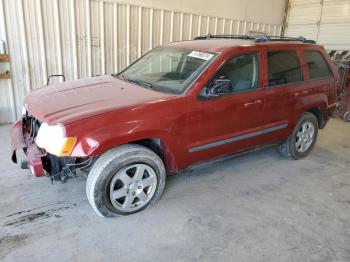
(32, 152)
(40, 162)
(17, 139)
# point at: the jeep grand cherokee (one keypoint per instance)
(180, 104)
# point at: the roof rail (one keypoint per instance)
(257, 38)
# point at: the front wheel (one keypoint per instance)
(125, 180)
(303, 139)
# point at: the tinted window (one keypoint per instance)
(242, 71)
(283, 67)
(316, 64)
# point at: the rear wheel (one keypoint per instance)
(346, 117)
(303, 139)
(125, 180)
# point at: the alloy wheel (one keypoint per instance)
(305, 137)
(132, 187)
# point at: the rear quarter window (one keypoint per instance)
(316, 64)
(283, 68)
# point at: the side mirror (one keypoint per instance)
(219, 87)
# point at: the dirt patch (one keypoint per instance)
(27, 219)
(9, 242)
(28, 216)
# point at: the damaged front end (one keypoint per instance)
(24, 135)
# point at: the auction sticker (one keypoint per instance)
(200, 55)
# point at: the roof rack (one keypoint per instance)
(257, 38)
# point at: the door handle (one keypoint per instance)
(256, 102)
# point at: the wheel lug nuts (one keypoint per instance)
(133, 193)
(139, 187)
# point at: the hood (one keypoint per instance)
(75, 100)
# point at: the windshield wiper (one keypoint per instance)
(142, 83)
(135, 81)
(115, 75)
(138, 82)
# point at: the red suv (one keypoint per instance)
(180, 104)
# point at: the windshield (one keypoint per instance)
(166, 69)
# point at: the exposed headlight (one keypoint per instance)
(53, 139)
(24, 111)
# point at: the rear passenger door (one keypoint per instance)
(284, 80)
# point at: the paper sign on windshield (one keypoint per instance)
(200, 55)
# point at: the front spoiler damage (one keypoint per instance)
(17, 139)
(32, 152)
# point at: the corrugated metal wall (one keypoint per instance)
(326, 21)
(84, 38)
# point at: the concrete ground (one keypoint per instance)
(256, 207)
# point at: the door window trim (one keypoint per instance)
(267, 67)
(329, 77)
(258, 88)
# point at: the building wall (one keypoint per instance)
(84, 38)
(327, 22)
(266, 11)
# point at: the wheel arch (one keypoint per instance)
(162, 146)
(159, 147)
(319, 115)
(316, 104)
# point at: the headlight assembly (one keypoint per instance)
(53, 139)
(24, 111)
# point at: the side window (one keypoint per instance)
(242, 71)
(283, 67)
(316, 64)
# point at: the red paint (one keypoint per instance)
(104, 112)
(34, 161)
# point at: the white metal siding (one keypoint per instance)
(327, 22)
(7, 103)
(84, 38)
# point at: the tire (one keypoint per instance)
(292, 147)
(346, 116)
(125, 172)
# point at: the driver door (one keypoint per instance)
(222, 124)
